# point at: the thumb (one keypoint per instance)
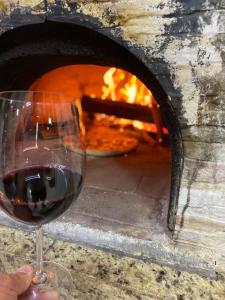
(12, 285)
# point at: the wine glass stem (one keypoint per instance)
(39, 249)
(40, 277)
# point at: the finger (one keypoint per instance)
(33, 294)
(49, 296)
(12, 285)
(36, 296)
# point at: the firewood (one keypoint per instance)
(118, 109)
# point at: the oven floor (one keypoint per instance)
(123, 208)
(127, 194)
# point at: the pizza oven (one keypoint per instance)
(148, 87)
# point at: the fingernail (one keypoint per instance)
(24, 269)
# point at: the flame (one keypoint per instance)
(130, 90)
(102, 82)
(120, 85)
(109, 89)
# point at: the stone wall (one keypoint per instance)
(182, 42)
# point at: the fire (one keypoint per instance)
(120, 85)
(130, 90)
(109, 91)
(102, 83)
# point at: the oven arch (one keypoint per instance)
(29, 51)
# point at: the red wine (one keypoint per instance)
(37, 195)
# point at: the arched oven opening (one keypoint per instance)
(134, 146)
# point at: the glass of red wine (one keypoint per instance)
(40, 176)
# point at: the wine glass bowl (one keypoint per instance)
(39, 176)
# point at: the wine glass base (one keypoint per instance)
(54, 278)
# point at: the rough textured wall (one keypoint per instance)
(182, 42)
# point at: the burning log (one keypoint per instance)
(118, 109)
(126, 110)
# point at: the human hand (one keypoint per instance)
(13, 286)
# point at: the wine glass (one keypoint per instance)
(40, 177)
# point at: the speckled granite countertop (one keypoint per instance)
(100, 275)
